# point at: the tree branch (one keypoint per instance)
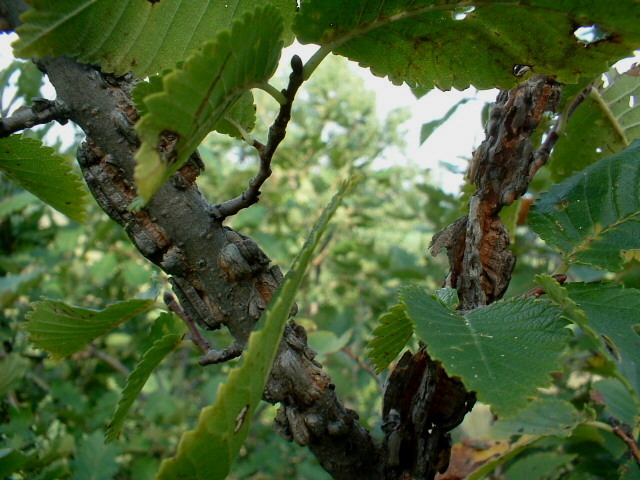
(42, 111)
(220, 276)
(623, 431)
(277, 132)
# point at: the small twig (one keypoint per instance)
(620, 430)
(42, 111)
(542, 155)
(109, 360)
(196, 336)
(277, 133)
(366, 367)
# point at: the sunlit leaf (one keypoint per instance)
(504, 352)
(390, 337)
(161, 347)
(594, 216)
(210, 449)
(143, 36)
(37, 169)
(203, 92)
(62, 329)
(457, 44)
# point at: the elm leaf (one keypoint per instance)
(39, 170)
(63, 329)
(504, 351)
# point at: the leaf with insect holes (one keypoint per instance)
(449, 44)
(202, 92)
(38, 169)
(209, 450)
(594, 216)
(63, 330)
(142, 36)
(505, 352)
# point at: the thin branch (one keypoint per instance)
(619, 430)
(196, 336)
(42, 111)
(109, 360)
(542, 155)
(365, 366)
(277, 132)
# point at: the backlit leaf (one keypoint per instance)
(63, 330)
(143, 36)
(38, 169)
(390, 337)
(202, 92)
(457, 44)
(594, 216)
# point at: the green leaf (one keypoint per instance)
(539, 465)
(15, 203)
(325, 342)
(614, 312)
(12, 369)
(544, 416)
(203, 91)
(610, 114)
(592, 217)
(12, 286)
(94, 460)
(458, 44)
(210, 449)
(608, 314)
(37, 169)
(390, 337)
(619, 401)
(145, 37)
(63, 330)
(139, 376)
(448, 296)
(504, 352)
(10, 461)
(428, 128)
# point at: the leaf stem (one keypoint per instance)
(245, 135)
(273, 91)
(315, 60)
(596, 97)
